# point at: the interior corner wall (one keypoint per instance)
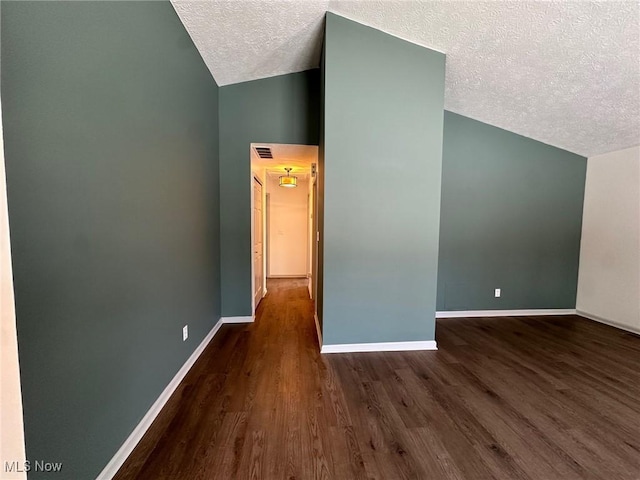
(319, 287)
(383, 124)
(511, 219)
(111, 142)
(609, 280)
(282, 109)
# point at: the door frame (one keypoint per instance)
(255, 178)
(267, 246)
(315, 238)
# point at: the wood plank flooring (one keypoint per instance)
(503, 398)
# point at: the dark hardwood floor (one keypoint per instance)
(503, 398)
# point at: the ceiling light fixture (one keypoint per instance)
(288, 180)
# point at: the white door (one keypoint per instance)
(258, 253)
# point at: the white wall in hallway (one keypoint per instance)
(288, 228)
(609, 276)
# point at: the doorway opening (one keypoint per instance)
(284, 233)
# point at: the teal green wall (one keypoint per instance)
(111, 144)
(511, 219)
(383, 122)
(319, 300)
(281, 109)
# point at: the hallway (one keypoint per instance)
(506, 398)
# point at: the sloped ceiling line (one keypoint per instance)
(564, 73)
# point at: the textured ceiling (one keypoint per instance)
(564, 73)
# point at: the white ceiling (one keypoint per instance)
(564, 73)
(296, 157)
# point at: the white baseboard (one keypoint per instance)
(130, 443)
(505, 313)
(248, 319)
(379, 347)
(301, 275)
(611, 323)
(318, 331)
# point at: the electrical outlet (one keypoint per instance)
(497, 293)
(185, 332)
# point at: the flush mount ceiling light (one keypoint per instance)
(288, 180)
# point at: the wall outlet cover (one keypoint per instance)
(498, 292)
(185, 332)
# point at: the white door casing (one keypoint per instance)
(258, 247)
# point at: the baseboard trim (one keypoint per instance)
(379, 347)
(302, 275)
(608, 322)
(318, 331)
(109, 471)
(247, 319)
(505, 313)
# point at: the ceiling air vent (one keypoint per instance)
(264, 152)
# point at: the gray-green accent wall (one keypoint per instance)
(283, 109)
(318, 301)
(111, 143)
(383, 124)
(511, 219)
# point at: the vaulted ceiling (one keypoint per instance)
(565, 73)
